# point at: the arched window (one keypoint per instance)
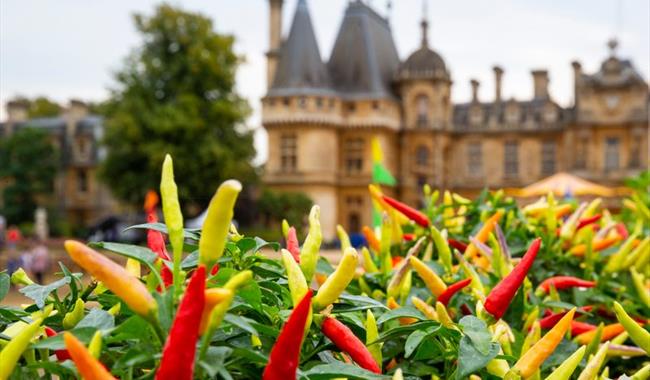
(422, 156)
(422, 109)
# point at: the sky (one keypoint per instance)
(70, 48)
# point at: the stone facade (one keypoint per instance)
(76, 134)
(321, 116)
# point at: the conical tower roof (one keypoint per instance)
(300, 70)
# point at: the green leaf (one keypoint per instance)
(190, 261)
(40, 292)
(142, 254)
(402, 312)
(349, 302)
(413, 341)
(341, 370)
(98, 319)
(476, 330)
(214, 360)
(470, 359)
(261, 243)
(84, 334)
(241, 322)
(5, 283)
(162, 227)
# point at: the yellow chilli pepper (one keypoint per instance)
(213, 297)
(533, 337)
(432, 281)
(11, 353)
(425, 308)
(337, 281)
(484, 233)
(444, 253)
(616, 261)
(133, 267)
(639, 251)
(593, 365)
(368, 264)
(173, 216)
(133, 292)
(95, 345)
(443, 315)
(343, 237)
(372, 333)
(642, 374)
(237, 281)
(530, 362)
(311, 247)
(565, 370)
(297, 283)
(74, 316)
(217, 222)
(638, 334)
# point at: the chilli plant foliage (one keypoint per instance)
(480, 288)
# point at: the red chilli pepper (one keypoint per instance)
(578, 328)
(285, 354)
(346, 341)
(550, 319)
(156, 243)
(408, 237)
(453, 289)
(61, 355)
(622, 230)
(292, 244)
(587, 221)
(177, 361)
(499, 299)
(459, 245)
(565, 282)
(407, 211)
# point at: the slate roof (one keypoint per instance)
(300, 68)
(613, 73)
(364, 58)
(530, 113)
(423, 63)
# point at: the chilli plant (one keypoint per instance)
(479, 289)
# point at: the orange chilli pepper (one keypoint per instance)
(609, 332)
(87, 365)
(371, 238)
(484, 233)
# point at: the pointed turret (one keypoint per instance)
(300, 69)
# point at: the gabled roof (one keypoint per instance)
(300, 69)
(364, 58)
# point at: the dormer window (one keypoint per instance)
(422, 109)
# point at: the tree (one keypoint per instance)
(176, 95)
(28, 164)
(292, 206)
(43, 107)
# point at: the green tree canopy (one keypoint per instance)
(176, 95)
(28, 164)
(43, 107)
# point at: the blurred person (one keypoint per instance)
(13, 237)
(3, 227)
(39, 260)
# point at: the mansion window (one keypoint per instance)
(82, 181)
(511, 159)
(422, 109)
(475, 159)
(581, 153)
(83, 148)
(635, 152)
(421, 180)
(302, 102)
(353, 151)
(422, 156)
(319, 103)
(548, 157)
(611, 153)
(288, 153)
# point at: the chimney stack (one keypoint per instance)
(474, 83)
(540, 84)
(76, 111)
(577, 74)
(275, 39)
(498, 74)
(17, 111)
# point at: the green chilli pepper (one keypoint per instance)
(17, 345)
(637, 279)
(642, 374)
(237, 281)
(551, 219)
(173, 216)
(311, 247)
(217, 222)
(372, 333)
(74, 316)
(616, 261)
(638, 252)
(444, 253)
(385, 263)
(565, 370)
(593, 365)
(638, 334)
(337, 281)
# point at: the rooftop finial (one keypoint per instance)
(424, 24)
(612, 44)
